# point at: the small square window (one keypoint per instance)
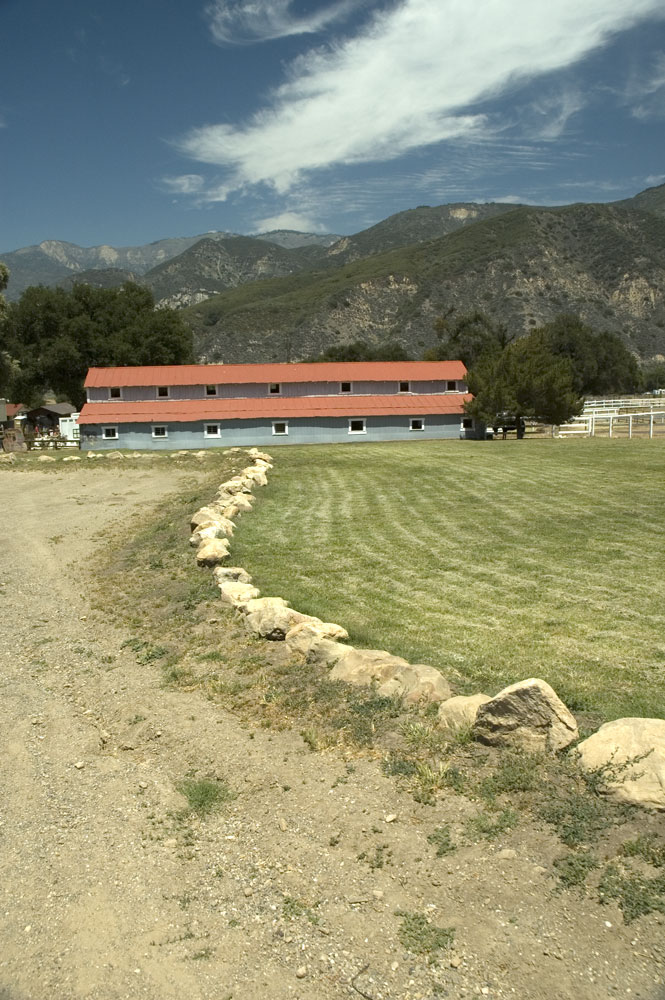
(109, 433)
(211, 390)
(162, 392)
(115, 392)
(357, 426)
(404, 387)
(451, 386)
(280, 427)
(160, 431)
(417, 424)
(211, 431)
(345, 387)
(467, 423)
(274, 388)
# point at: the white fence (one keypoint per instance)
(648, 423)
(627, 403)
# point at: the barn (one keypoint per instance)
(202, 406)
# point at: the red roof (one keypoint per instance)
(326, 371)
(14, 408)
(188, 410)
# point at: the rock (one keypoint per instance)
(235, 485)
(258, 477)
(301, 637)
(212, 514)
(212, 551)
(391, 674)
(72, 458)
(223, 573)
(507, 854)
(46, 458)
(271, 617)
(301, 972)
(9, 457)
(202, 533)
(238, 594)
(231, 511)
(460, 712)
(114, 454)
(259, 454)
(243, 502)
(328, 652)
(641, 783)
(529, 715)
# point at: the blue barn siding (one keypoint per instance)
(259, 390)
(246, 433)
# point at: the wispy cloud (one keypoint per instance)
(184, 184)
(646, 91)
(416, 74)
(243, 21)
(289, 220)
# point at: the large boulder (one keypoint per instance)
(238, 484)
(460, 712)
(272, 618)
(238, 594)
(203, 533)
(256, 476)
(255, 453)
(304, 635)
(212, 551)
(205, 515)
(641, 783)
(391, 674)
(527, 715)
(243, 502)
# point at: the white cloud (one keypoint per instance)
(289, 220)
(654, 179)
(413, 76)
(185, 184)
(646, 91)
(552, 113)
(241, 21)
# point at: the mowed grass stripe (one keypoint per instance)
(492, 561)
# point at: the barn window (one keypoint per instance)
(417, 424)
(451, 386)
(274, 388)
(404, 387)
(115, 392)
(162, 392)
(345, 387)
(160, 431)
(110, 433)
(280, 427)
(357, 425)
(211, 390)
(211, 431)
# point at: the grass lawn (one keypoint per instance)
(492, 561)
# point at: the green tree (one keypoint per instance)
(524, 380)
(468, 338)
(56, 335)
(359, 350)
(6, 367)
(602, 364)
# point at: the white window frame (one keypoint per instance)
(417, 430)
(214, 390)
(280, 422)
(109, 427)
(159, 395)
(216, 434)
(346, 391)
(274, 388)
(119, 389)
(353, 420)
(406, 383)
(159, 437)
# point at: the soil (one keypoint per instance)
(298, 887)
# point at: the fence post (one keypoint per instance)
(610, 425)
(630, 425)
(651, 425)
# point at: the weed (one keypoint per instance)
(205, 795)
(647, 848)
(293, 908)
(490, 825)
(418, 935)
(573, 869)
(636, 895)
(442, 840)
(382, 855)
(612, 773)
(204, 953)
(516, 772)
(578, 817)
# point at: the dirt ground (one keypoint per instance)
(298, 888)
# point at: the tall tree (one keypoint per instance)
(56, 335)
(524, 380)
(468, 338)
(602, 363)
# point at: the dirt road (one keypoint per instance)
(297, 888)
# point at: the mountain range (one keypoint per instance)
(286, 296)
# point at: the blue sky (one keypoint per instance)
(124, 123)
